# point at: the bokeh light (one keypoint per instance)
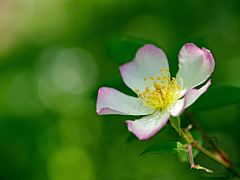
(55, 54)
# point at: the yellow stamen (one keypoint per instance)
(162, 93)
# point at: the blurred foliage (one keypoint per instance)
(218, 96)
(55, 54)
(122, 48)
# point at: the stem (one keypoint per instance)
(185, 136)
(211, 155)
(218, 159)
(193, 166)
(220, 156)
(190, 156)
(208, 139)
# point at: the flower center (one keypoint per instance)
(161, 92)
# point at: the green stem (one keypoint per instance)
(208, 139)
(216, 157)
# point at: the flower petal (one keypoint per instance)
(195, 66)
(179, 107)
(111, 101)
(147, 63)
(148, 126)
(193, 94)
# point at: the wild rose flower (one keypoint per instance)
(159, 95)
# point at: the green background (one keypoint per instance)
(55, 54)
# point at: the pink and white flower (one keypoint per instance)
(159, 95)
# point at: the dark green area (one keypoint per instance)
(218, 96)
(54, 55)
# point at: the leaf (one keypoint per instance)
(168, 147)
(175, 122)
(122, 48)
(218, 96)
(184, 157)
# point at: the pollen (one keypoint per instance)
(162, 93)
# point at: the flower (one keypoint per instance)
(159, 95)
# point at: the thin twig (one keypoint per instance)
(208, 139)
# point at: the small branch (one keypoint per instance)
(218, 159)
(203, 168)
(208, 139)
(185, 136)
(214, 157)
(190, 156)
(193, 166)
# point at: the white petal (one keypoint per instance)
(147, 63)
(148, 126)
(111, 101)
(178, 108)
(195, 66)
(193, 94)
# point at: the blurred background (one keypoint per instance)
(55, 54)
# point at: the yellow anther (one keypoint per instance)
(162, 93)
(165, 77)
(144, 94)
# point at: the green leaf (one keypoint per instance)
(122, 48)
(184, 157)
(175, 122)
(168, 147)
(218, 96)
